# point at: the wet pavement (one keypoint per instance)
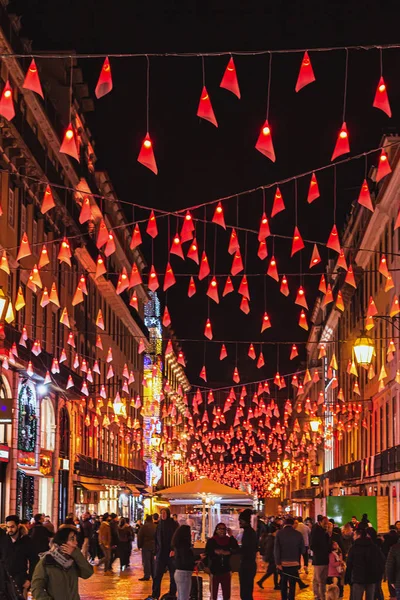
(126, 585)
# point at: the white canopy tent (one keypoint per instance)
(211, 494)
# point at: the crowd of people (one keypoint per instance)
(36, 559)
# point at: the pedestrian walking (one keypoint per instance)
(86, 529)
(248, 551)
(40, 535)
(217, 555)
(305, 532)
(146, 543)
(393, 570)
(114, 537)
(269, 558)
(320, 546)
(336, 567)
(289, 548)
(365, 566)
(125, 537)
(181, 545)
(105, 542)
(57, 573)
(17, 553)
(164, 533)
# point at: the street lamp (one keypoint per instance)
(364, 350)
(314, 424)
(285, 463)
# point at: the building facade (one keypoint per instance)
(359, 405)
(71, 377)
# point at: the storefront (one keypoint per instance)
(64, 464)
(6, 414)
(26, 449)
(46, 457)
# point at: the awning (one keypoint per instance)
(91, 487)
(131, 488)
(30, 472)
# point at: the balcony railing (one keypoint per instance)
(94, 467)
(306, 493)
(384, 463)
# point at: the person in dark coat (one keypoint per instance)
(218, 551)
(389, 540)
(365, 566)
(125, 537)
(164, 534)
(320, 546)
(40, 535)
(347, 539)
(17, 553)
(248, 551)
(86, 529)
(147, 544)
(181, 545)
(393, 569)
(269, 558)
(288, 549)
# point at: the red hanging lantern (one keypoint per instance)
(176, 247)
(278, 205)
(223, 354)
(135, 278)
(102, 234)
(303, 320)
(364, 197)
(204, 266)
(262, 252)
(284, 289)
(6, 102)
(70, 143)
(86, 211)
(297, 243)
(272, 269)
(192, 288)
(342, 142)
(136, 238)
(301, 298)
(233, 243)
(48, 200)
(151, 228)
(32, 81)
(322, 284)
(264, 142)
(266, 323)
(251, 353)
(203, 373)
(381, 99)
(244, 305)
(383, 166)
(229, 80)
(212, 291)
(264, 230)
(244, 288)
(293, 352)
(193, 252)
(146, 155)
(218, 217)
(169, 279)
(153, 279)
(333, 241)
(237, 263)
(313, 190)
(187, 228)
(306, 73)
(260, 361)
(205, 109)
(350, 277)
(315, 257)
(208, 330)
(104, 83)
(228, 287)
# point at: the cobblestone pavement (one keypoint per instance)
(125, 586)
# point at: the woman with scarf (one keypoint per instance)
(219, 549)
(56, 574)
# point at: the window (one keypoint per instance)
(53, 333)
(22, 312)
(23, 219)
(11, 208)
(34, 237)
(47, 425)
(394, 421)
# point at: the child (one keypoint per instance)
(336, 567)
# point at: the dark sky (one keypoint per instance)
(198, 163)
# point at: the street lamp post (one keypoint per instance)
(364, 349)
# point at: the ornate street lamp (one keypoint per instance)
(364, 349)
(314, 424)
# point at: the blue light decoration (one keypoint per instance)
(152, 388)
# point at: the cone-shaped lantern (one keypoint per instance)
(381, 99)
(146, 155)
(301, 298)
(264, 230)
(69, 144)
(102, 234)
(237, 263)
(251, 353)
(272, 269)
(262, 251)
(364, 197)
(169, 279)
(333, 240)
(230, 80)
(228, 287)
(6, 102)
(218, 217)
(212, 291)
(266, 323)
(44, 257)
(223, 354)
(153, 279)
(233, 242)
(205, 109)
(284, 288)
(315, 257)
(383, 266)
(303, 320)
(293, 352)
(208, 330)
(204, 266)
(176, 247)
(383, 166)
(104, 83)
(191, 288)
(24, 248)
(297, 243)
(306, 73)
(48, 200)
(350, 277)
(100, 267)
(136, 238)
(278, 204)
(313, 190)
(32, 81)
(342, 142)
(151, 228)
(187, 228)
(264, 143)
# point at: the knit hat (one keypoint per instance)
(245, 515)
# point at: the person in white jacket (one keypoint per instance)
(305, 532)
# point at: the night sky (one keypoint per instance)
(198, 162)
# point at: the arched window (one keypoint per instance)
(47, 425)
